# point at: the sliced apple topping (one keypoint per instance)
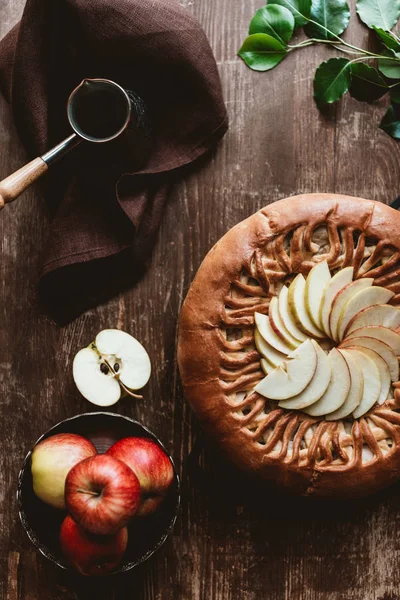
(340, 301)
(292, 376)
(316, 283)
(297, 307)
(356, 391)
(114, 364)
(338, 390)
(303, 374)
(316, 387)
(363, 299)
(338, 282)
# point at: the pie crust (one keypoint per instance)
(220, 365)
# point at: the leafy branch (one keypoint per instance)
(324, 21)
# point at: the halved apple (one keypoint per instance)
(338, 282)
(381, 348)
(356, 391)
(269, 335)
(338, 388)
(286, 316)
(386, 335)
(297, 307)
(279, 327)
(366, 297)
(316, 282)
(372, 382)
(340, 301)
(292, 376)
(383, 372)
(267, 351)
(317, 386)
(379, 314)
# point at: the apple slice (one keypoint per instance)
(338, 282)
(267, 351)
(340, 301)
(384, 351)
(116, 361)
(297, 307)
(317, 386)
(316, 283)
(337, 391)
(292, 376)
(266, 366)
(383, 372)
(372, 382)
(278, 325)
(286, 316)
(389, 337)
(367, 297)
(379, 314)
(269, 335)
(356, 391)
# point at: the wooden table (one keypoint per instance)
(229, 543)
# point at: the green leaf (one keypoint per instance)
(366, 83)
(390, 68)
(379, 13)
(333, 15)
(391, 121)
(332, 80)
(276, 21)
(388, 39)
(300, 9)
(262, 52)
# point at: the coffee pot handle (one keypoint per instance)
(12, 186)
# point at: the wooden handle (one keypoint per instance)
(11, 187)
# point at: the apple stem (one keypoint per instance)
(127, 390)
(87, 492)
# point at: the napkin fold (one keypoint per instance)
(106, 209)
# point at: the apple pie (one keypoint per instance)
(289, 341)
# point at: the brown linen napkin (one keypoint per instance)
(105, 212)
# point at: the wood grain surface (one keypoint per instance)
(231, 541)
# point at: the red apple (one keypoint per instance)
(92, 554)
(102, 494)
(152, 467)
(51, 461)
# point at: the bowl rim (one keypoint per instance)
(150, 552)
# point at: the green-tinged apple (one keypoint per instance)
(340, 301)
(152, 467)
(286, 316)
(316, 283)
(51, 461)
(384, 334)
(383, 372)
(372, 382)
(292, 376)
(278, 326)
(267, 351)
(316, 387)
(114, 364)
(92, 554)
(337, 390)
(102, 494)
(338, 282)
(266, 366)
(363, 299)
(297, 307)
(381, 348)
(379, 314)
(269, 335)
(356, 391)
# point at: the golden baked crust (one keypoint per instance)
(220, 365)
